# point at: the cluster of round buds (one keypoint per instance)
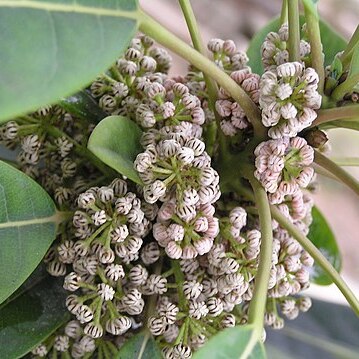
(177, 171)
(110, 222)
(274, 49)
(169, 104)
(288, 98)
(110, 226)
(126, 86)
(233, 116)
(226, 55)
(69, 341)
(283, 166)
(59, 171)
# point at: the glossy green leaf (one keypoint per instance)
(140, 346)
(28, 223)
(331, 40)
(354, 63)
(323, 238)
(83, 105)
(64, 45)
(35, 311)
(116, 142)
(232, 343)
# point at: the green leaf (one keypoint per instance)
(140, 346)
(331, 40)
(116, 142)
(232, 343)
(322, 236)
(28, 223)
(354, 63)
(83, 105)
(64, 46)
(31, 315)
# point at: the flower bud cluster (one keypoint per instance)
(274, 49)
(226, 55)
(174, 242)
(126, 86)
(288, 98)
(177, 171)
(46, 151)
(233, 116)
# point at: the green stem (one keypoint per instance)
(337, 171)
(198, 45)
(179, 277)
(318, 258)
(160, 34)
(336, 113)
(316, 53)
(346, 161)
(258, 304)
(345, 87)
(294, 30)
(284, 12)
(211, 86)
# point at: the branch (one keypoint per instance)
(316, 53)
(346, 161)
(284, 12)
(294, 30)
(160, 34)
(337, 113)
(318, 257)
(210, 84)
(337, 171)
(257, 306)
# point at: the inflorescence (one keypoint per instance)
(174, 255)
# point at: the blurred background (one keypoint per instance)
(328, 330)
(239, 20)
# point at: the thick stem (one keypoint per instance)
(318, 257)
(337, 171)
(160, 34)
(258, 304)
(345, 87)
(316, 53)
(294, 30)
(284, 12)
(337, 113)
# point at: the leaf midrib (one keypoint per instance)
(28, 222)
(71, 8)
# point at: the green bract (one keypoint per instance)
(116, 142)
